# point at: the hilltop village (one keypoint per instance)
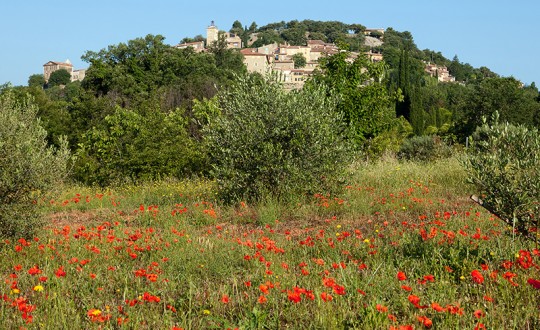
(278, 59)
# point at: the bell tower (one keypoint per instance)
(212, 33)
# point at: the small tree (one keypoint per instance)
(36, 80)
(503, 164)
(269, 141)
(299, 60)
(28, 168)
(59, 77)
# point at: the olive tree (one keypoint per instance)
(270, 141)
(28, 167)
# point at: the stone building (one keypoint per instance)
(213, 33)
(52, 66)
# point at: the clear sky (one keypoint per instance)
(502, 35)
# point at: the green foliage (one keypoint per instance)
(424, 149)
(299, 60)
(388, 141)
(364, 102)
(36, 80)
(275, 142)
(132, 147)
(503, 164)
(59, 77)
(28, 168)
(503, 95)
(145, 67)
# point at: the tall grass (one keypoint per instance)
(166, 255)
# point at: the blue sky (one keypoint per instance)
(502, 35)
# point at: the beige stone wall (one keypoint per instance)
(51, 66)
(257, 63)
(212, 34)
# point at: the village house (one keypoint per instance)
(198, 46)
(52, 66)
(212, 35)
(439, 71)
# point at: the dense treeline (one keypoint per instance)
(141, 111)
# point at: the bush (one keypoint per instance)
(132, 147)
(424, 149)
(28, 167)
(272, 141)
(503, 163)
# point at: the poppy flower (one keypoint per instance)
(401, 276)
(477, 276)
(225, 299)
(381, 308)
(326, 297)
(478, 313)
(262, 299)
(60, 272)
(426, 321)
(534, 283)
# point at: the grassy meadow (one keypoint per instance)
(403, 247)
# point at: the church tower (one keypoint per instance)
(212, 33)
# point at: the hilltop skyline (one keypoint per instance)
(495, 34)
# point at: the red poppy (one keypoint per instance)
(326, 297)
(60, 272)
(478, 313)
(437, 307)
(401, 276)
(262, 299)
(381, 308)
(477, 276)
(426, 321)
(415, 300)
(225, 299)
(534, 283)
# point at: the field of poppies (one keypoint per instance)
(402, 248)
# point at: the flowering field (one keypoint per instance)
(402, 248)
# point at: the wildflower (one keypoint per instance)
(426, 321)
(294, 296)
(338, 289)
(60, 272)
(534, 283)
(401, 276)
(509, 277)
(326, 297)
(415, 300)
(478, 313)
(264, 288)
(437, 307)
(406, 288)
(381, 308)
(225, 299)
(429, 278)
(262, 299)
(38, 288)
(206, 312)
(34, 270)
(477, 276)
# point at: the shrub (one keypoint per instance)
(424, 149)
(132, 147)
(272, 141)
(28, 167)
(503, 163)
